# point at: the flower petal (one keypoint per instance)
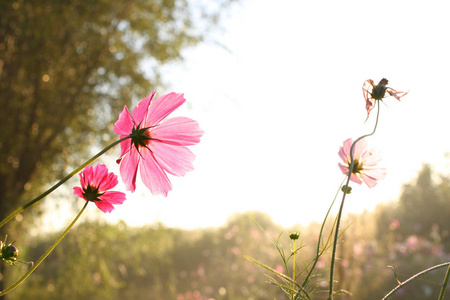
(128, 169)
(124, 147)
(162, 107)
(113, 197)
(141, 110)
(104, 206)
(78, 191)
(86, 176)
(177, 160)
(367, 88)
(98, 174)
(370, 181)
(125, 123)
(178, 131)
(396, 94)
(154, 177)
(344, 151)
(108, 182)
(360, 149)
(376, 173)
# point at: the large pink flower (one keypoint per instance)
(374, 92)
(365, 167)
(156, 146)
(95, 183)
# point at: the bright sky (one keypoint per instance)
(278, 90)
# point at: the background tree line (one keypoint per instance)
(101, 261)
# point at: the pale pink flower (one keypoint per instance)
(156, 146)
(365, 167)
(95, 185)
(374, 92)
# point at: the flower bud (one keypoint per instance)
(349, 189)
(294, 236)
(9, 253)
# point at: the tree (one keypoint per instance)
(411, 235)
(66, 70)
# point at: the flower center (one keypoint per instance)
(357, 167)
(92, 194)
(380, 90)
(140, 136)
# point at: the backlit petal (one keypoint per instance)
(153, 176)
(177, 160)
(162, 107)
(78, 191)
(113, 197)
(359, 149)
(108, 182)
(370, 181)
(98, 175)
(344, 152)
(104, 206)
(141, 110)
(125, 123)
(124, 147)
(128, 169)
(179, 130)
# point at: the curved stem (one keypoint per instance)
(23, 207)
(414, 277)
(341, 208)
(49, 250)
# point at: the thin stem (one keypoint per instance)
(414, 277)
(341, 208)
(293, 266)
(22, 208)
(49, 250)
(444, 284)
(305, 282)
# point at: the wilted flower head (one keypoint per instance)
(95, 185)
(365, 167)
(374, 92)
(157, 146)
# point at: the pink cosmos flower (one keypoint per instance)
(374, 92)
(157, 146)
(365, 167)
(95, 183)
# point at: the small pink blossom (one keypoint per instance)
(95, 183)
(157, 146)
(374, 92)
(365, 167)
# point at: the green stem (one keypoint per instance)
(49, 250)
(444, 284)
(22, 208)
(341, 208)
(415, 276)
(293, 267)
(318, 252)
